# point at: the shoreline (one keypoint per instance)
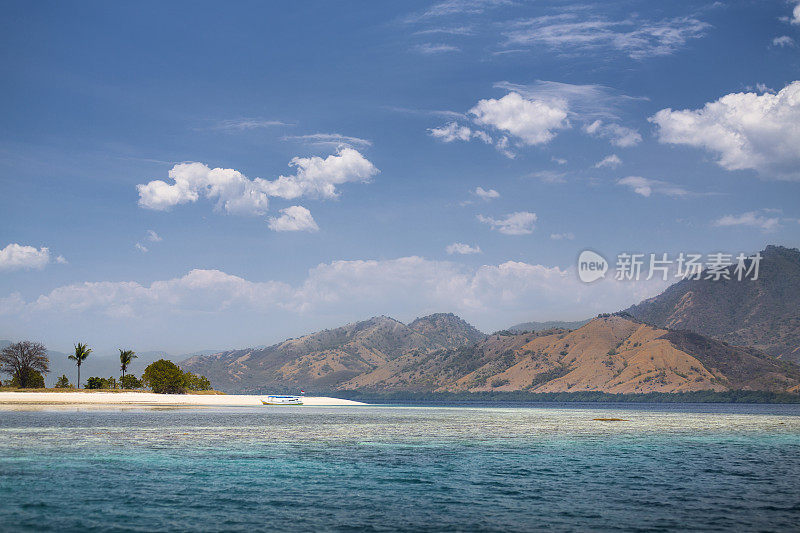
(152, 399)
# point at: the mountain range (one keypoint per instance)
(697, 335)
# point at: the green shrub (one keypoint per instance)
(195, 382)
(101, 383)
(164, 377)
(63, 382)
(27, 379)
(129, 381)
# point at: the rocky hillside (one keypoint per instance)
(609, 354)
(764, 313)
(326, 359)
(438, 353)
(550, 324)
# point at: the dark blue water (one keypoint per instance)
(402, 468)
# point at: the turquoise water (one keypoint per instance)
(401, 468)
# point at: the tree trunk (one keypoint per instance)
(79, 376)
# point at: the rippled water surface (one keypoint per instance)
(401, 468)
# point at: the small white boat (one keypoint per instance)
(283, 400)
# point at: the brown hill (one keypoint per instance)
(324, 360)
(763, 313)
(609, 354)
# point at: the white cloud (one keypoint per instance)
(452, 132)
(61, 260)
(549, 176)
(746, 130)
(244, 124)
(17, 257)
(621, 136)
(783, 41)
(462, 249)
(435, 48)
(460, 7)
(646, 187)
(610, 161)
(141, 247)
(210, 302)
(796, 15)
(328, 139)
(586, 102)
(519, 223)
(558, 160)
(751, 219)
(294, 218)
(152, 236)
(638, 39)
(486, 194)
(532, 121)
(236, 194)
(562, 236)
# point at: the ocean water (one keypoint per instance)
(401, 468)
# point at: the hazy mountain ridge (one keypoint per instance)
(325, 359)
(614, 353)
(764, 313)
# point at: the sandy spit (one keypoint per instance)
(148, 398)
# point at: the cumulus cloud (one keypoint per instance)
(617, 135)
(294, 218)
(486, 194)
(783, 41)
(152, 236)
(531, 121)
(610, 161)
(562, 236)
(462, 249)
(752, 219)
(519, 223)
(141, 247)
(646, 187)
(796, 15)
(18, 257)
(575, 32)
(451, 131)
(236, 194)
(212, 301)
(746, 131)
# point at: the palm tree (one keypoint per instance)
(125, 358)
(81, 353)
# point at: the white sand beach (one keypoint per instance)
(148, 398)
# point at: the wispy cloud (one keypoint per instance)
(328, 139)
(435, 48)
(784, 41)
(648, 187)
(610, 161)
(462, 249)
(519, 223)
(583, 33)
(244, 124)
(753, 219)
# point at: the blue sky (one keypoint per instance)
(397, 113)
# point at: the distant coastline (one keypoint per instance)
(735, 396)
